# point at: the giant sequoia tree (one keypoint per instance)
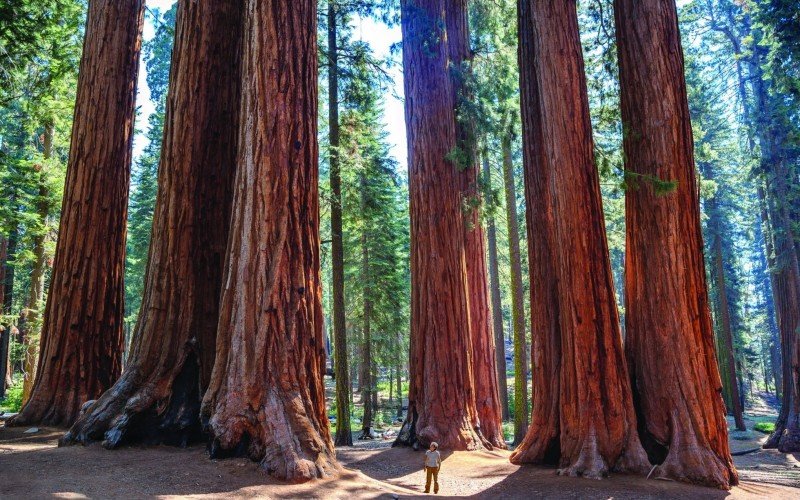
(266, 398)
(669, 343)
(81, 345)
(464, 154)
(451, 339)
(583, 417)
(158, 397)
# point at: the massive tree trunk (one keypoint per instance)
(484, 373)
(81, 345)
(266, 399)
(583, 418)
(36, 290)
(343, 435)
(443, 392)
(517, 300)
(670, 339)
(497, 310)
(158, 397)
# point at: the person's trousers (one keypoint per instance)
(432, 472)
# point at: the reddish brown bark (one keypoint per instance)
(724, 341)
(447, 260)
(266, 399)
(670, 339)
(484, 372)
(158, 397)
(82, 330)
(583, 417)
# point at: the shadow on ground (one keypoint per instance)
(32, 466)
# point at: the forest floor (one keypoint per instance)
(32, 466)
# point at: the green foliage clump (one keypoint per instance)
(13, 400)
(765, 427)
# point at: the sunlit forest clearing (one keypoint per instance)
(392, 248)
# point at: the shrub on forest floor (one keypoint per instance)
(13, 399)
(765, 427)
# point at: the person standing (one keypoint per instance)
(433, 462)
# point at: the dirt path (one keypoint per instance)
(31, 466)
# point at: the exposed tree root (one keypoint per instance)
(165, 411)
(278, 434)
(448, 434)
(690, 462)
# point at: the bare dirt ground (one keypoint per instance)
(32, 466)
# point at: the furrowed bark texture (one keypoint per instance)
(670, 339)
(157, 399)
(585, 422)
(497, 310)
(81, 341)
(266, 399)
(484, 373)
(487, 395)
(442, 394)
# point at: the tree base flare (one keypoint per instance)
(546, 448)
(448, 436)
(786, 437)
(162, 412)
(278, 434)
(689, 462)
